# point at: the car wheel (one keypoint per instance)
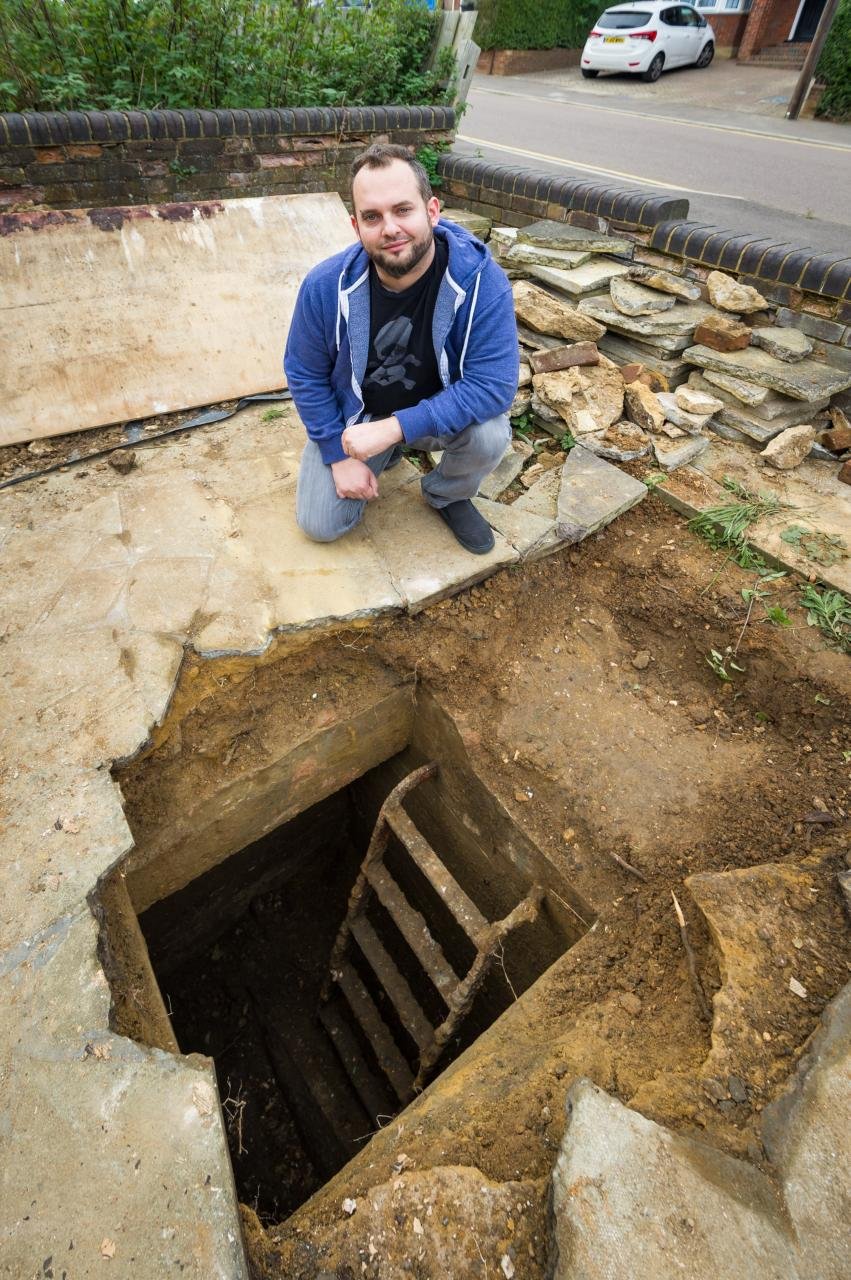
(707, 53)
(589, 75)
(653, 72)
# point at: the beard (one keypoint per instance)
(398, 265)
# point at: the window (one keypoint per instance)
(725, 6)
(622, 19)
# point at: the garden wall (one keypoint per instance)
(83, 159)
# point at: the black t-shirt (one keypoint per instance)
(401, 369)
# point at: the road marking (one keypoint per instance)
(592, 168)
(647, 115)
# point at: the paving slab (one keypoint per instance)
(625, 350)
(182, 342)
(561, 235)
(816, 500)
(529, 533)
(592, 493)
(424, 560)
(671, 454)
(592, 277)
(157, 1202)
(762, 430)
(633, 1201)
(679, 322)
(806, 380)
(805, 1133)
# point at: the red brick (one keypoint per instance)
(278, 162)
(83, 151)
(49, 155)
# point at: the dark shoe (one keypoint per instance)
(394, 459)
(471, 529)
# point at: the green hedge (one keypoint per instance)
(536, 24)
(124, 54)
(834, 67)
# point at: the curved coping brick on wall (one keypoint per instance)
(623, 204)
(50, 128)
(828, 275)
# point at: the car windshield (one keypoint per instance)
(623, 19)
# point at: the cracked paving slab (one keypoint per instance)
(106, 581)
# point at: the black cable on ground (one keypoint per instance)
(203, 420)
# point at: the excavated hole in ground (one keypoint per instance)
(526, 693)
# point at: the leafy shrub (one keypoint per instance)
(123, 54)
(536, 24)
(834, 67)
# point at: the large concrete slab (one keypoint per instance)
(161, 307)
(633, 1201)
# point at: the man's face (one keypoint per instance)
(391, 218)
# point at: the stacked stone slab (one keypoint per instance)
(715, 335)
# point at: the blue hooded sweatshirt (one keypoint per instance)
(474, 334)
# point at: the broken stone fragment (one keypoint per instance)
(837, 439)
(786, 344)
(621, 442)
(845, 472)
(576, 353)
(730, 295)
(722, 333)
(587, 398)
(671, 454)
(789, 449)
(641, 406)
(542, 410)
(524, 377)
(635, 300)
(560, 235)
(520, 403)
(693, 423)
(546, 314)
(123, 461)
(691, 400)
(666, 281)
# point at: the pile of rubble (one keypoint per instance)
(636, 361)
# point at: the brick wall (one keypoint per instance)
(728, 29)
(781, 15)
(89, 159)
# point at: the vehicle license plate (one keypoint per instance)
(613, 40)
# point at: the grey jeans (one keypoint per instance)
(467, 458)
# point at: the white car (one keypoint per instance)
(647, 39)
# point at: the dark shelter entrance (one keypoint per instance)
(242, 955)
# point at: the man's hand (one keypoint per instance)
(353, 479)
(366, 439)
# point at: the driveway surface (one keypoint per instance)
(717, 136)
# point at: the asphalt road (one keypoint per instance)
(743, 172)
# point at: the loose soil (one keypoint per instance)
(581, 687)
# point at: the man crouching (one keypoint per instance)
(407, 337)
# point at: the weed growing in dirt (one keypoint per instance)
(522, 424)
(830, 611)
(271, 414)
(567, 441)
(720, 661)
(724, 527)
(653, 479)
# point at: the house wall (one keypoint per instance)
(728, 28)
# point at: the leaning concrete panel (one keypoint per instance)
(113, 314)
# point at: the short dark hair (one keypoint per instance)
(382, 154)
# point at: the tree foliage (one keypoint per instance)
(834, 67)
(124, 54)
(536, 24)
